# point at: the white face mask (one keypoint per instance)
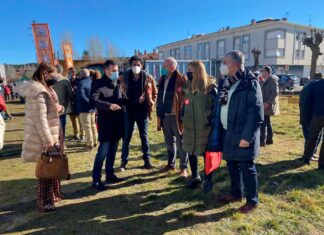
(224, 70)
(136, 69)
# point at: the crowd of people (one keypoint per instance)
(196, 113)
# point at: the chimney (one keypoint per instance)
(253, 22)
(284, 19)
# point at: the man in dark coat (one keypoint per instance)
(107, 99)
(241, 117)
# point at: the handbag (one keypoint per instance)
(212, 161)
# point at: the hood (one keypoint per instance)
(60, 77)
(30, 89)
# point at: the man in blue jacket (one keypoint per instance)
(315, 101)
(241, 117)
(86, 109)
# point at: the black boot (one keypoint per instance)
(148, 165)
(208, 184)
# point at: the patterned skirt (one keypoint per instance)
(48, 192)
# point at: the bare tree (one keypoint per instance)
(313, 42)
(95, 48)
(112, 51)
(256, 54)
(67, 38)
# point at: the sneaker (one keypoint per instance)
(122, 167)
(113, 179)
(75, 138)
(148, 165)
(195, 183)
(168, 168)
(49, 209)
(82, 139)
(229, 199)
(262, 144)
(184, 173)
(98, 185)
(269, 142)
(247, 208)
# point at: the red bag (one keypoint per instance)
(2, 104)
(212, 161)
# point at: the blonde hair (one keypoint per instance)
(200, 81)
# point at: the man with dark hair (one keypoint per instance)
(141, 93)
(106, 98)
(270, 92)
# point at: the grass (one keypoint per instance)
(149, 202)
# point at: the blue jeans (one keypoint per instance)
(244, 176)
(142, 125)
(63, 123)
(306, 129)
(106, 150)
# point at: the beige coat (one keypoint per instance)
(42, 123)
(270, 94)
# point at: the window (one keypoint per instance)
(172, 53)
(221, 49)
(299, 46)
(177, 53)
(275, 41)
(237, 43)
(246, 46)
(161, 55)
(187, 53)
(200, 51)
(207, 50)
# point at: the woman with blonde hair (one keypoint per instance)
(200, 96)
(42, 129)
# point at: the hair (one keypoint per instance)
(39, 74)
(135, 58)
(59, 68)
(84, 73)
(172, 61)
(72, 70)
(200, 81)
(267, 69)
(237, 57)
(108, 63)
(1, 80)
(95, 74)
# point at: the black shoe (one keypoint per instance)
(269, 142)
(306, 161)
(123, 166)
(194, 183)
(49, 209)
(148, 165)
(208, 185)
(262, 144)
(113, 179)
(99, 186)
(321, 167)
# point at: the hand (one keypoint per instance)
(115, 107)
(59, 108)
(142, 98)
(244, 144)
(50, 145)
(266, 106)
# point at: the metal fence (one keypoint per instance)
(153, 67)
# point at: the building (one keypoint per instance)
(279, 41)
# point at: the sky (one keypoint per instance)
(130, 24)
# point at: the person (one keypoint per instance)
(95, 74)
(42, 129)
(106, 97)
(270, 94)
(305, 111)
(7, 92)
(170, 100)
(200, 94)
(315, 101)
(65, 95)
(241, 117)
(78, 132)
(141, 92)
(3, 108)
(86, 109)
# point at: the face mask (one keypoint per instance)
(164, 72)
(114, 76)
(136, 69)
(51, 81)
(224, 70)
(190, 76)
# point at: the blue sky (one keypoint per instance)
(131, 24)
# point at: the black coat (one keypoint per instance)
(104, 93)
(65, 95)
(245, 116)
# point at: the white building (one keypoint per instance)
(279, 41)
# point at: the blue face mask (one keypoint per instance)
(114, 76)
(164, 72)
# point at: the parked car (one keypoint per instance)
(288, 81)
(304, 81)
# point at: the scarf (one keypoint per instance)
(229, 81)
